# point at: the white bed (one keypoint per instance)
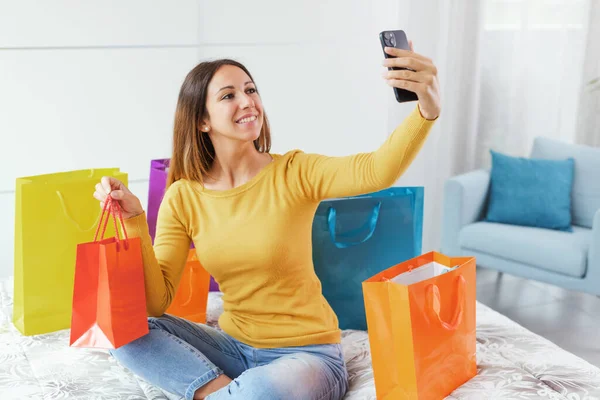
(513, 363)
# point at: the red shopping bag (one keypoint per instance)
(109, 300)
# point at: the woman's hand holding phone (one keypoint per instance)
(421, 78)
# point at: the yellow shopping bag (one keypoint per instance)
(53, 213)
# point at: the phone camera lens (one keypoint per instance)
(393, 41)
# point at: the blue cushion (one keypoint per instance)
(586, 185)
(531, 192)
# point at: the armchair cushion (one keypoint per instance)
(594, 256)
(531, 192)
(551, 250)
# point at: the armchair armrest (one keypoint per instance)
(464, 200)
(593, 270)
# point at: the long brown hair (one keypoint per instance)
(193, 151)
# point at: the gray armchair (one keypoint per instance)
(567, 259)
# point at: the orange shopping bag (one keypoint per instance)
(421, 320)
(109, 300)
(192, 295)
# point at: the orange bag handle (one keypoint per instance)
(191, 282)
(115, 208)
(434, 304)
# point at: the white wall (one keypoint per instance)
(85, 85)
(94, 84)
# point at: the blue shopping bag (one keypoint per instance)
(355, 238)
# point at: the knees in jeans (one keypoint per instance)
(122, 351)
(165, 322)
(154, 323)
(133, 347)
(252, 386)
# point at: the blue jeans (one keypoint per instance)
(180, 356)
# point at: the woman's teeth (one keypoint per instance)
(246, 120)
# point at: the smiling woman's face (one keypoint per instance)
(233, 105)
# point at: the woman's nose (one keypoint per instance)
(247, 101)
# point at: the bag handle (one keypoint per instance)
(115, 208)
(191, 282)
(433, 305)
(191, 287)
(66, 212)
(371, 223)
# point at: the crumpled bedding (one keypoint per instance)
(513, 363)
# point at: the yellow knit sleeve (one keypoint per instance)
(321, 177)
(163, 263)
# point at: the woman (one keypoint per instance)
(249, 214)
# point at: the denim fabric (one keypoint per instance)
(180, 356)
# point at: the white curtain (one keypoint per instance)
(510, 70)
(588, 121)
(449, 33)
(531, 77)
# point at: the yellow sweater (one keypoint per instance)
(255, 239)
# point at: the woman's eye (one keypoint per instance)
(230, 95)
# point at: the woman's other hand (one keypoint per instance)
(130, 204)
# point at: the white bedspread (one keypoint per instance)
(513, 363)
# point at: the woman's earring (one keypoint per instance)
(205, 129)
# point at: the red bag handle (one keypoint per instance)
(115, 208)
(434, 304)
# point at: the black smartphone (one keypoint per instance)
(398, 40)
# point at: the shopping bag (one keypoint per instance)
(191, 296)
(53, 213)
(109, 300)
(354, 238)
(159, 170)
(421, 320)
(156, 190)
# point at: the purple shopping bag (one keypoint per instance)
(159, 170)
(156, 190)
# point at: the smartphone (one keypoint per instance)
(398, 40)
